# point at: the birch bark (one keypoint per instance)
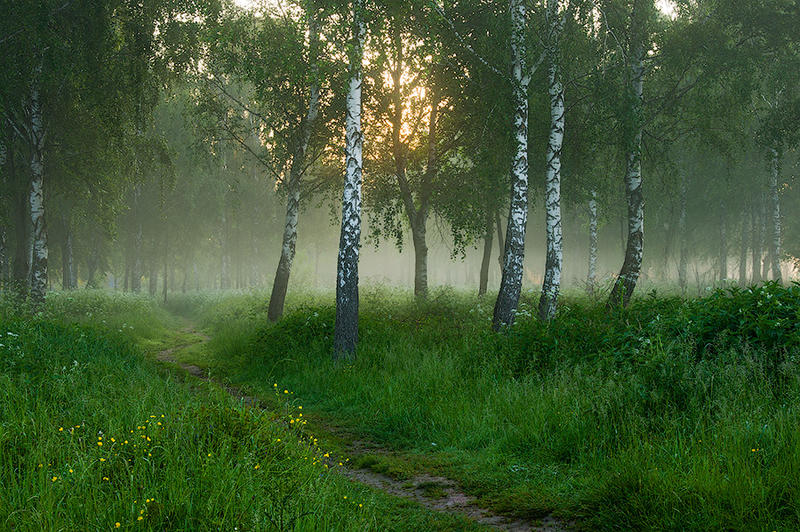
(281, 283)
(346, 328)
(631, 267)
(38, 268)
(591, 278)
(775, 211)
(514, 251)
(553, 263)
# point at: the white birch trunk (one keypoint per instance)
(38, 272)
(514, 251)
(553, 263)
(775, 208)
(346, 328)
(281, 283)
(684, 237)
(591, 278)
(632, 266)
(755, 243)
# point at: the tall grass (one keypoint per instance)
(673, 414)
(93, 436)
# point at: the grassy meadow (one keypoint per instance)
(672, 414)
(94, 435)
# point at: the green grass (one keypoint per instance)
(94, 433)
(672, 414)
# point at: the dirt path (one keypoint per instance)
(436, 493)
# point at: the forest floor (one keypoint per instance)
(673, 414)
(428, 489)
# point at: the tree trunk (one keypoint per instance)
(487, 255)
(417, 216)
(723, 245)
(743, 253)
(281, 284)
(164, 285)
(38, 279)
(419, 237)
(501, 246)
(225, 258)
(591, 278)
(69, 279)
(152, 278)
(631, 267)
(755, 246)
(3, 258)
(775, 210)
(136, 252)
(21, 261)
(346, 328)
(91, 268)
(764, 257)
(684, 237)
(511, 284)
(553, 263)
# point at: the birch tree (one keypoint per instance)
(511, 284)
(298, 165)
(346, 327)
(634, 55)
(591, 277)
(553, 264)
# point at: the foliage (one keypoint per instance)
(94, 436)
(670, 414)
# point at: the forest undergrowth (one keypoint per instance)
(95, 435)
(671, 414)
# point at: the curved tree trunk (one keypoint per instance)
(281, 283)
(775, 211)
(553, 263)
(346, 328)
(511, 284)
(632, 266)
(591, 277)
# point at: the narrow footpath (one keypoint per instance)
(446, 496)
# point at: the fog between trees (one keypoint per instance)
(171, 145)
